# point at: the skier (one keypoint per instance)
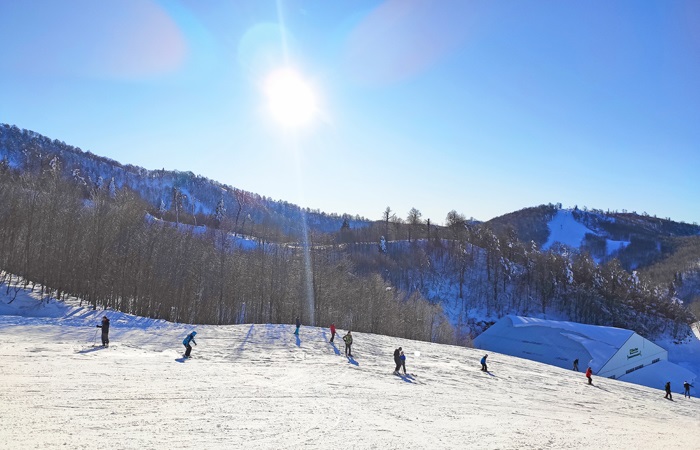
(686, 389)
(105, 331)
(589, 372)
(348, 344)
(402, 357)
(298, 325)
(668, 391)
(332, 332)
(483, 363)
(397, 359)
(576, 364)
(186, 343)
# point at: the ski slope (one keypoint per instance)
(261, 387)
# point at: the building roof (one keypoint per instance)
(554, 342)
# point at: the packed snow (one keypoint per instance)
(258, 386)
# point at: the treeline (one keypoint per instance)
(103, 248)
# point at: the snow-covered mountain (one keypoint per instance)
(192, 197)
(260, 387)
(636, 239)
(667, 252)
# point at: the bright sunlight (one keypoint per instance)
(290, 98)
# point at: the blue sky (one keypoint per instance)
(478, 106)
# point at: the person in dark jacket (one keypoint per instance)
(589, 372)
(668, 391)
(402, 357)
(298, 325)
(397, 359)
(348, 344)
(576, 364)
(105, 331)
(686, 389)
(332, 332)
(483, 363)
(186, 343)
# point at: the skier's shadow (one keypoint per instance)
(298, 341)
(181, 359)
(93, 349)
(406, 378)
(352, 361)
(335, 349)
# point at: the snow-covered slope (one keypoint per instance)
(259, 387)
(566, 230)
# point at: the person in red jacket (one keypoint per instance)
(589, 372)
(332, 332)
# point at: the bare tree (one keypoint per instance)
(413, 220)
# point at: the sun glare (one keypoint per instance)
(290, 98)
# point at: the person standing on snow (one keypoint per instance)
(589, 372)
(298, 325)
(668, 391)
(397, 359)
(686, 389)
(332, 332)
(105, 331)
(186, 343)
(348, 344)
(576, 364)
(483, 363)
(402, 357)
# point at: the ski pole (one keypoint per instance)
(94, 338)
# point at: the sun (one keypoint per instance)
(291, 100)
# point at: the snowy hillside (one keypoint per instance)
(259, 387)
(566, 230)
(197, 197)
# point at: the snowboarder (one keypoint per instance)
(332, 332)
(686, 389)
(397, 359)
(589, 372)
(105, 331)
(668, 391)
(483, 363)
(348, 344)
(186, 343)
(402, 357)
(576, 364)
(298, 325)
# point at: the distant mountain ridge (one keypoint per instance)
(645, 238)
(188, 196)
(668, 252)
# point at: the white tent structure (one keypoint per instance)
(610, 352)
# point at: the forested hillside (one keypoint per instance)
(175, 196)
(102, 249)
(236, 257)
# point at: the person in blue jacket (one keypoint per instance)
(186, 343)
(483, 363)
